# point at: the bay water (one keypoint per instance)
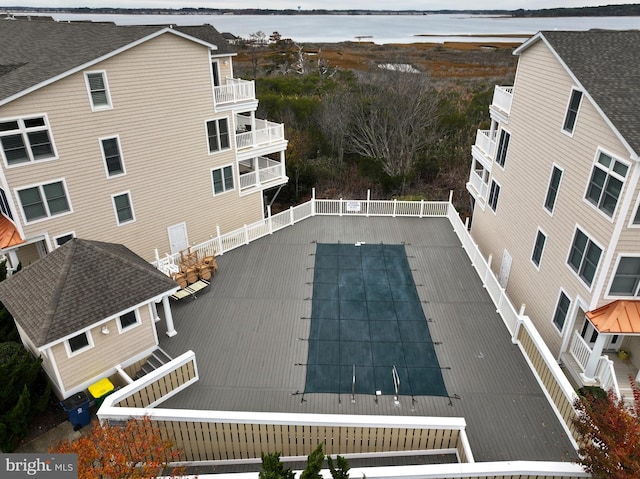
(374, 28)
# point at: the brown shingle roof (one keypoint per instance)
(78, 285)
(607, 64)
(34, 52)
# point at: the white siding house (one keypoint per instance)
(141, 137)
(556, 192)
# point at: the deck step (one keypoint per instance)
(162, 355)
(157, 358)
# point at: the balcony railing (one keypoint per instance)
(267, 172)
(485, 143)
(605, 372)
(235, 90)
(580, 350)
(502, 96)
(480, 188)
(266, 132)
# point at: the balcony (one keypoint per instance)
(501, 104)
(477, 185)
(484, 147)
(234, 91)
(265, 134)
(610, 373)
(261, 173)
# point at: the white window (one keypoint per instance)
(79, 343)
(128, 320)
(552, 189)
(123, 208)
(503, 146)
(635, 218)
(5, 209)
(44, 201)
(112, 156)
(215, 72)
(572, 111)
(218, 135)
(26, 140)
(222, 179)
(606, 183)
(62, 239)
(538, 248)
(584, 257)
(626, 281)
(494, 193)
(562, 309)
(98, 89)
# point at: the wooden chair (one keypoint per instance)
(180, 279)
(192, 274)
(204, 272)
(211, 262)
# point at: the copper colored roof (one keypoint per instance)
(9, 235)
(618, 317)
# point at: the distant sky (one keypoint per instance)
(321, 4)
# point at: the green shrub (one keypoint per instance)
(23, 394)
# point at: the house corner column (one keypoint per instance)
(171, 331)
(589, 374)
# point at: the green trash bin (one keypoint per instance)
(100, 390)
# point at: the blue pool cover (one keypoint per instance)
(366, 313)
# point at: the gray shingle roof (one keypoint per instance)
(607, 64)
(34, 52)
(78, 285)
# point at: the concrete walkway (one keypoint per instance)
(52, 437)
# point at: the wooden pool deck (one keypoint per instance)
(249, 333)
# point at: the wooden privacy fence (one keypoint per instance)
(553, 380)
(211, 436)
(157, 386)
(215, 436)
(228, 439)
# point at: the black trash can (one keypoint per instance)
(77, 407)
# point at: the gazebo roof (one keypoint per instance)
(618, 317)
(78, 285)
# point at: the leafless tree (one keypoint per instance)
(256, 44)
(333, 121)
(393, 116)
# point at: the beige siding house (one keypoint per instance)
(556, 192)
(141, 137)
(88, 308)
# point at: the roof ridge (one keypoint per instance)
(127, 257)
(54, 300)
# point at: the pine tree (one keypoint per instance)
(22, 394)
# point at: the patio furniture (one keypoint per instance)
(204, 272)
(180, 279)
(211, 262)
(190, 290)
(191, 274)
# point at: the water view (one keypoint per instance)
(376, 28)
